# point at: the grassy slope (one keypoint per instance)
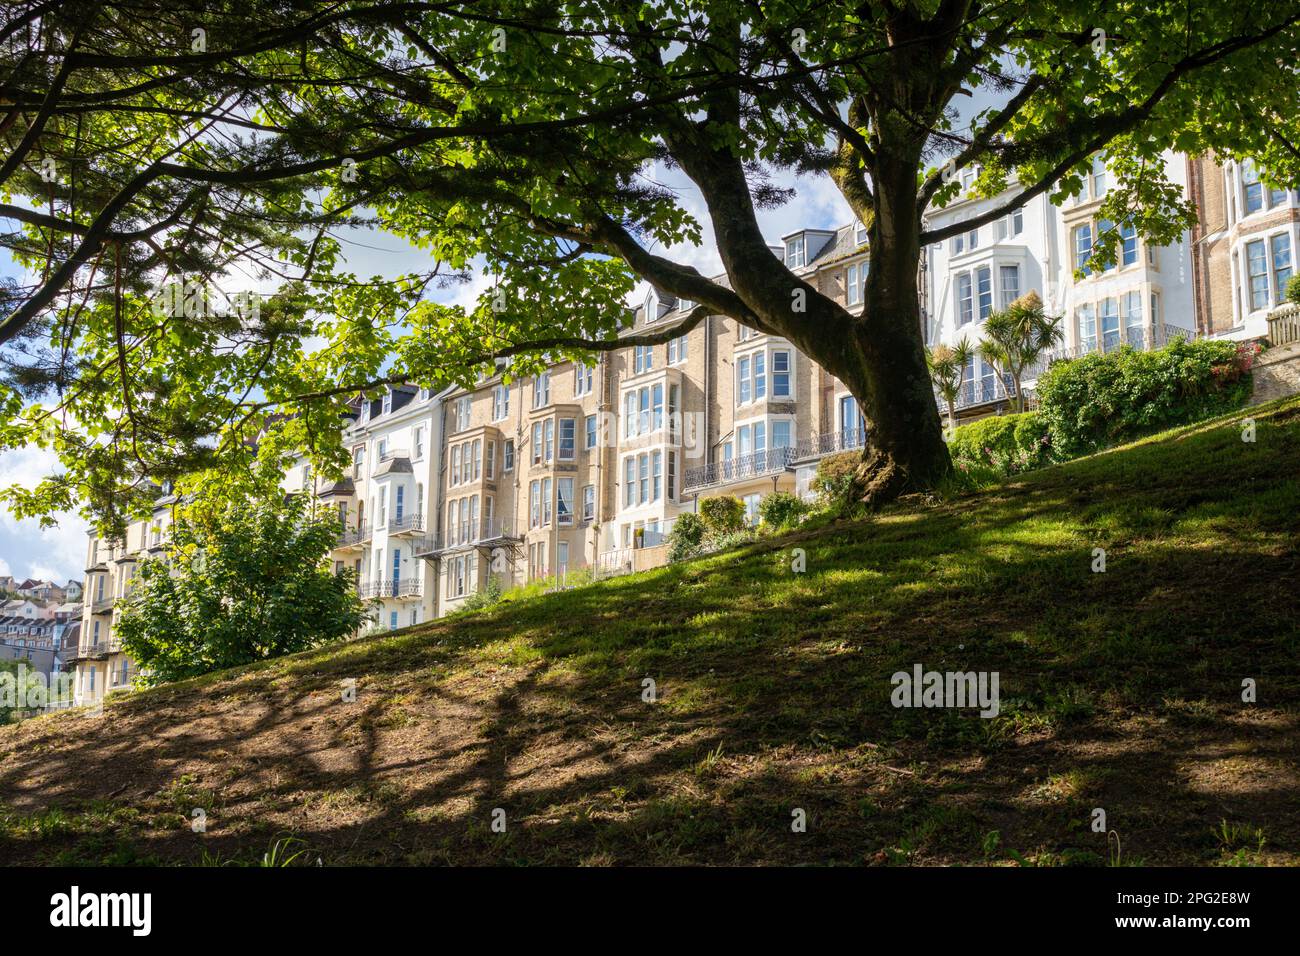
(1120, 690)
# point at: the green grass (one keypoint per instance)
(1119, 690)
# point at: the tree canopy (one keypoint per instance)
(242, 580)
(205, 147)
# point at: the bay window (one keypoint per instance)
(568, 439)
(564, 501)
(965, 310)
(780, 373)
(1280, 250)
(1109, 324)
(1009, 279)
(984, 286)
(1087, 323)
(1128, 254)
(1257, 274)
(1083, 247)
(751, 377)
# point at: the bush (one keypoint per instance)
(781, 510)
(1293, 289)
(1010, 444)
(734, 539)
(836, 477)
(244, 579)
(485, 597)
(1100, 400)
(686, 537)
(722, 515)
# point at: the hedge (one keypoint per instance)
(1010, 443)
(1099, 400)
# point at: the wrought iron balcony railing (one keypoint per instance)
(754, 465)
(469, 534)
(392, 587)
(353, 536)
(406, 524)
(828, 443)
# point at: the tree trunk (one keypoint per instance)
(892, 382)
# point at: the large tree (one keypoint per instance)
(153, 142)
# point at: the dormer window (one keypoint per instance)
(860, 235)
(685, 305)
(795, 252)
(652, 305)
(388, 402)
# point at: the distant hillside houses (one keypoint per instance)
(42, 634)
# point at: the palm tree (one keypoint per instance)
(1017, 337)
(948, 364)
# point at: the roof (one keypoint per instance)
(344, 486)
(394, 466)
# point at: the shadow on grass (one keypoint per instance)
(1120, 690)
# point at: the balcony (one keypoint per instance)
(993, 390)
(982, 392)
(102, 606)
(755, 465)
(354, 537)
(391, 588)
(96, 651)
(406, 524)
(489, 532)
(829, 443)
(1138, 337)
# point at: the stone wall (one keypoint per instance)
(1277, 373)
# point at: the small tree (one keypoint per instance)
(722, 515)
(686, 538)
(948, 364)
(243, 580)
(781, 510)
(1017, 337)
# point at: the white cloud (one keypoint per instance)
(28, 550)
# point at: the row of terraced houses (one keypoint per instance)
(586, 467)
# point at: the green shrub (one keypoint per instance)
(836, 477)
(722, 515)
(781, 509)
(1099, 400)
(734, 539)
(1293, 289)
(1010, 444)
(485, 597)
(686, 538)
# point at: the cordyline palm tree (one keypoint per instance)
(948, 364)
(1017, 337)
